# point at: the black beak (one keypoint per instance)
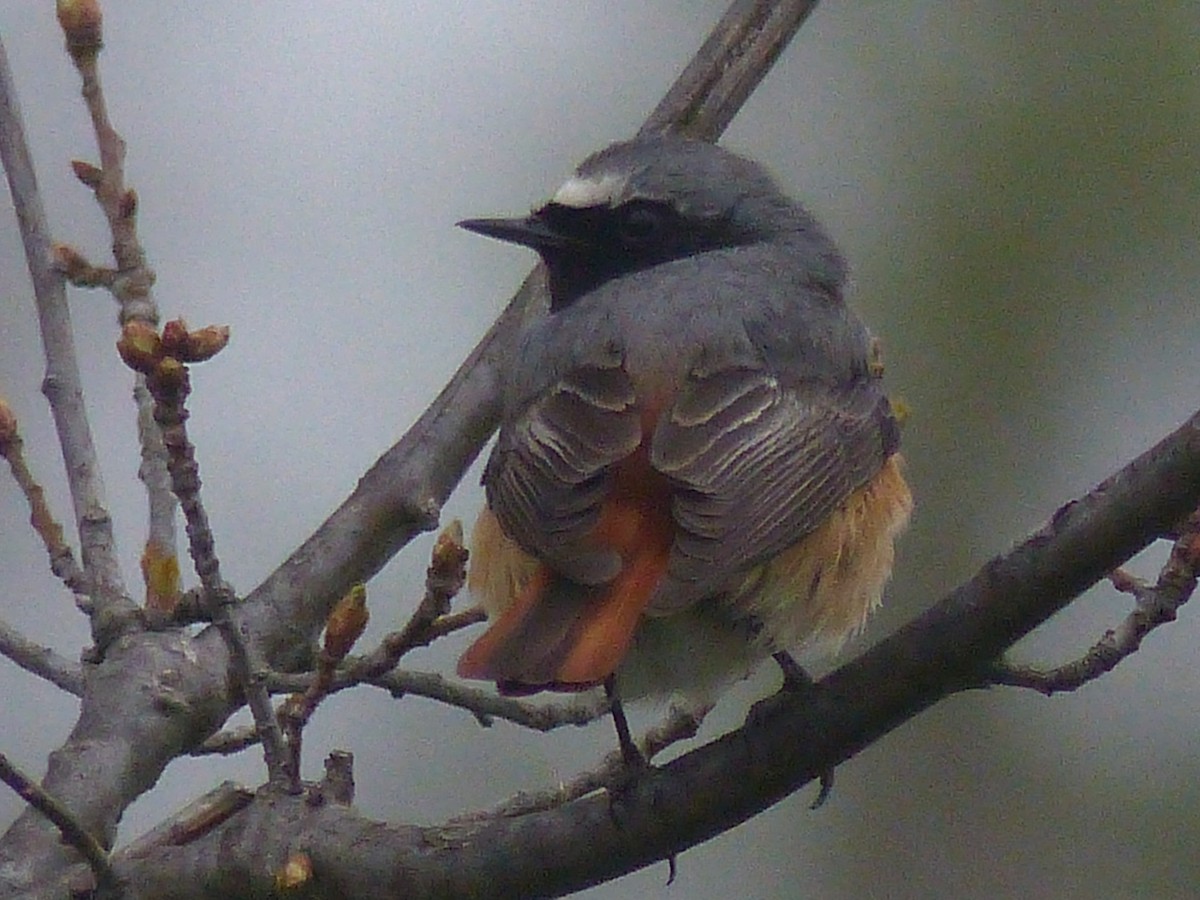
(532, 231)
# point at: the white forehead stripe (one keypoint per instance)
(583, 192)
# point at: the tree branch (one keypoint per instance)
(62, 385)
(62, 560)
(788, 740)
(131, 282)
(1155, 605)
(41, 661)
(62, 819)
(169, 384)
(723, 74)
(680, 724)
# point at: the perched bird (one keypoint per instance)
(696, 465)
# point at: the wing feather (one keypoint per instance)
(548, 476)
(756, 465)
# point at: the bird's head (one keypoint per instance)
(647, 201)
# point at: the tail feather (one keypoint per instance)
(558, 634)
(561, 635)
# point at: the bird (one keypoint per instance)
(697, 464)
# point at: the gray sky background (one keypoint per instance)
(1015, 187)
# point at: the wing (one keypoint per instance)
(758, 464)
(548, 476)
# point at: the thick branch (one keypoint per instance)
(786, 742)
(1156, 605)
(62, 819)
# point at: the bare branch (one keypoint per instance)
(736, 56)
(484, 705)
(62, 560)
(62, 384)
(1155, 605)
(342, 630)
(452, 622)
(444, 578)
(61, 817)
(487, 706)
(227, 742)
(41, 661)
(169, 383)
(130, 283)
(787, 741)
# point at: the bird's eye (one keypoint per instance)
(640, 222)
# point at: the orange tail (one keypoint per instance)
(560, 635)
(557, 634)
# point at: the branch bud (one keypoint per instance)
(90, 175)
(296, 873)
(81, 24)
(160, 573)
(129, 204)
(346, 623)
(140, 347)
(169, 373)
(447, 570)
(68, 261)
(175, 338)
(875, 358)
(205, 343)
(8, 423)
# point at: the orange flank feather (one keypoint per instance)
(552, 633)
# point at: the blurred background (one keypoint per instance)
(1016, 187)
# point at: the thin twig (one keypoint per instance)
(112, 611)
(62, 819)
(131, 282)
(62, 559)
(169, 384)
(444, 578)
(484, 705)
(342, 630)
(452, 622)
(358, 670)
(41, 661)
(227, 742)
(487, 706)
(1155, 605)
